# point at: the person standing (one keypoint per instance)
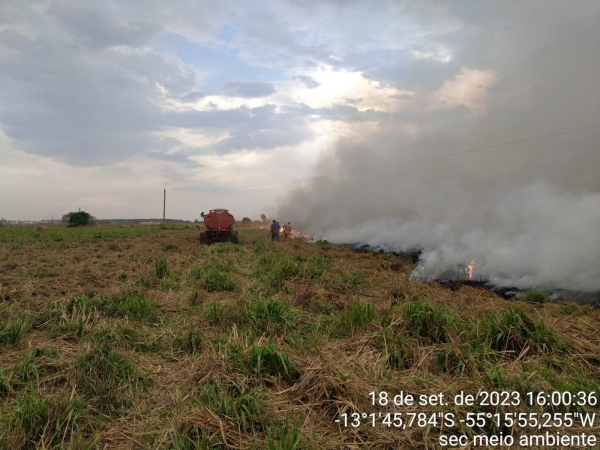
(287, 230)
(275, 231)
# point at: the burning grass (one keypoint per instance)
(138, 337)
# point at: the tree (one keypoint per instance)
(246, 221)
(79, 218)
(263, 218)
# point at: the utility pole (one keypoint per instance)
(164, 206)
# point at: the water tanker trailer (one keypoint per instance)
(219, 227)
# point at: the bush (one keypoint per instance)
(246, 221)
(79, 218)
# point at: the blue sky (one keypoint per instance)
(218, 63)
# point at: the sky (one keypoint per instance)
(104, 104)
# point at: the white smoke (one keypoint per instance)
(524, 227)
(525, 219)
(533, 236)
(528, 213)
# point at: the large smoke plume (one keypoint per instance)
(527, 213)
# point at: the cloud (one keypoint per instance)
(193, 96)
(308, 82)
(248, 90)
(95, 26)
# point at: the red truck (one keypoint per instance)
(219, 227)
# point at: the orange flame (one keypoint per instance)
(469, 270)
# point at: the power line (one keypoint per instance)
(368, 169)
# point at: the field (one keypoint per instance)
(138, 337)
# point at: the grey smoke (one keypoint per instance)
(522, 233)
(528, 213)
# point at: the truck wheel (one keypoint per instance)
(235, 238)
(208, 237)
(202, 238)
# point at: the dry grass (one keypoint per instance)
(138, 337)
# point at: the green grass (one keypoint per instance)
(75, 317)
(191, 341)
(357, 316)
(286, 436)
(397, 347)
(124, 337)
(107, 378)
(214, 275)
(534, 296)
(33, 365)
(62, 236)
(448, 360)
(13, 332)
(274, 269)
(215, 313)
(354, 280)
(5, 385)
(134, 306)
(270, 316)
(317, 265)
(193, 437)
(47, 423)
(513, 330)
(271, 360)
(161, 268)
(263, 361)
(216, 281)
(430, 323)
(41, 273)
(244, 405)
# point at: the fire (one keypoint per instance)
(298, 233)
(293, 234)
(469, 270)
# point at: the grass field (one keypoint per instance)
(138, 337)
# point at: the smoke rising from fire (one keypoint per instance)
(527, 213)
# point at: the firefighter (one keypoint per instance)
(275, 231)
(287, 229)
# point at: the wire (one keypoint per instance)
(368, 169)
